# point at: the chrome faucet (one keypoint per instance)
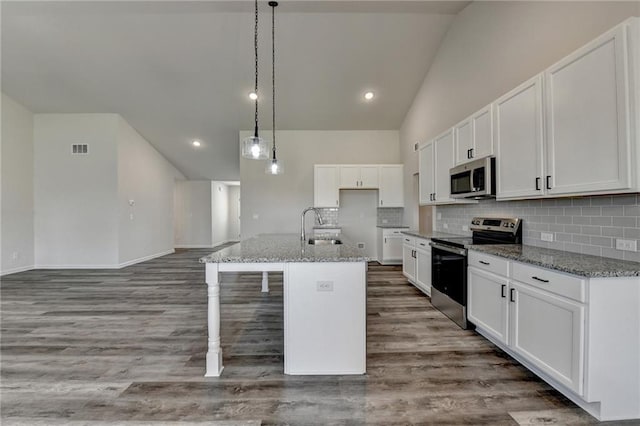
(302, 233)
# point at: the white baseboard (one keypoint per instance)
(145, 258)
(16, 270)
(107, 266)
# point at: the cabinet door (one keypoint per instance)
(325, 186)
(350, 177)
(488, 306)
(391, 186)
(369, 177)
(519, 133)
(548, 331)
(408, 263)
(426, 174)
(443, 163)
(482, 133)
(392, 248)
(423, 267)
(588, 138)
(463, 141)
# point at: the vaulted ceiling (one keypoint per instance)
(178, 71)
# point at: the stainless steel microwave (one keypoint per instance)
(476, 179)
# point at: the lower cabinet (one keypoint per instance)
(487, 302)
(548, 331)
(390, 246)
(581, 335)
(408, 259)
(423, 266)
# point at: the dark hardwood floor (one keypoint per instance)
(127, 346)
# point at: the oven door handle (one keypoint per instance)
(461, 252)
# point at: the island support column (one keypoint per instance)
(214, 351)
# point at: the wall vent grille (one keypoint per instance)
(79, 148)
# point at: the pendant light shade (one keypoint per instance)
(254, 147)
(274, 166)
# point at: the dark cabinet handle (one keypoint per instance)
(468, 153)
(537, 184)
(548, 182)
(484, 263)
(511, 299)
(540, 279)
(423, 244)
(471, 153)
(385, 241)
(381, 202)
(502, 290)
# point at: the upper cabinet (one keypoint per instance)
(330, 178)
(325, 186)
(587, 95)
(474, 136)
(519, 141)
(435, 160)
(359, 177)
(571, 130)
(391, 186)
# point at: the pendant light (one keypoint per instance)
(254, 147)
(274, 167)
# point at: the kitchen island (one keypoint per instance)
(324, 288)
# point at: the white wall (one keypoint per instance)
(82, 213)
(234, 213)
(277, 201)
(76, 196)
(193, 214)
(490, 48)
(16, 151)
(219, 213)
(147, 178)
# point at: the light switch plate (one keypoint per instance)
(445, 226)
(324, 285)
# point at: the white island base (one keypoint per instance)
(324, 315)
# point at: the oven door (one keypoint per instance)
(449, 272)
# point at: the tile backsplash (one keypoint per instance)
(390, 216)
(587, 225)
(329, 217)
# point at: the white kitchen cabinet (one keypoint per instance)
(563, 328)
(474, 136)
(390, 246)
(359, 176)
(587, 118)
(409, 258)
(426, 174)
(549, 332)
(391, 192)
(519, 141)
(443, 154)
(423, 265)
(325, 186)
(488, 306)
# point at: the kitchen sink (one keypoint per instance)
(324, 241)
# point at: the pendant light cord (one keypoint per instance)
(255, 50)
(273, 72)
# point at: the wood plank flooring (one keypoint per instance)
(99, 347)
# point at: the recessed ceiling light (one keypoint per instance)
(368, 96)
(195, 143)
(253, 96)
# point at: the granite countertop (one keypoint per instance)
(430, 235)
(391, 226)
(573, 263)
(282, 248)
(327, 227)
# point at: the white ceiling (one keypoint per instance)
(178, 71)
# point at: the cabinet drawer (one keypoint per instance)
(422, 243)
(564, 285)
(408, 241)
(489, 263)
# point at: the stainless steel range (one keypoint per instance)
(449, 263)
